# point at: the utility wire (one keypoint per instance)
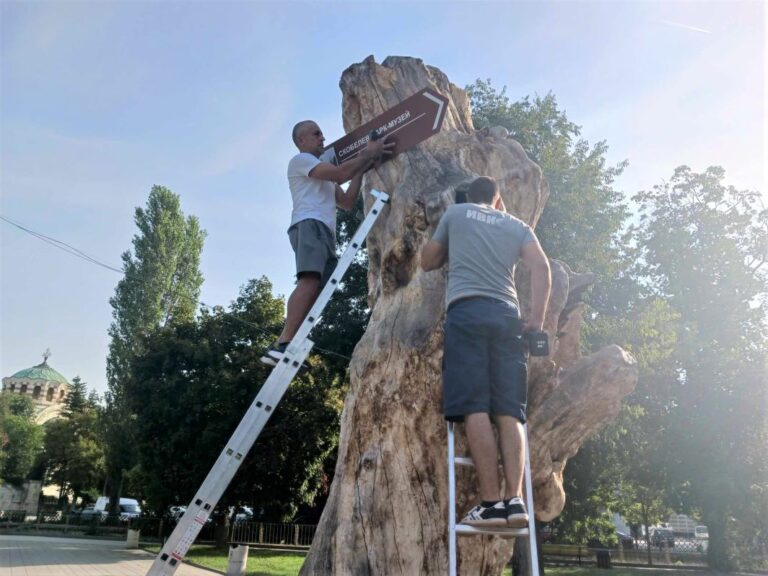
(69, 249)
(61, 245)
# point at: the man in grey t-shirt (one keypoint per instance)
(484, 367)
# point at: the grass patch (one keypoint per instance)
(288, 563)
(260, 562)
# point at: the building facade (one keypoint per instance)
(46, 387)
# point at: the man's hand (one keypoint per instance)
(378, 151)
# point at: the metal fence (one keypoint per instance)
(690, 553)
(60, 523)
(156, 529)
(262, 533)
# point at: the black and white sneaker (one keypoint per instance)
(274, 354)
(517, 516)
(481, 516)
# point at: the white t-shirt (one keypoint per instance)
(312, 198)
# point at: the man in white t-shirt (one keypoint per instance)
(316, 191)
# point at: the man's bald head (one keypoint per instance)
(299, 128)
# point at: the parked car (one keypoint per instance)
(622, 540)
(625, 540)
(701, 533)
(128, 508)
(244, 514)
(662, 537)
(90, 512)
(176, 512)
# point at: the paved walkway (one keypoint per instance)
(44, 556)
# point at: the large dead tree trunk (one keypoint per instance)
(387, 510)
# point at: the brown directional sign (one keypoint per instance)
(412, 121)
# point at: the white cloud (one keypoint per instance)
(686, 27)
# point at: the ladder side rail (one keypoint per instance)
(451, 502)
(258, 414)
(344, 262)
(533, 544)
(226, 467)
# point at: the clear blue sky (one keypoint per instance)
(101, 100)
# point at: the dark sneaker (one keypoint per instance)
(480, 516)
(274, 354)
(517, 516)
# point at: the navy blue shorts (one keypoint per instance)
(484, 368)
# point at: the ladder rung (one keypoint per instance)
(466, 461)
(467, 530)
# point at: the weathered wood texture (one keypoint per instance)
(387, 511)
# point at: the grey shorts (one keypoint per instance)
(484, 366)
(315, 248)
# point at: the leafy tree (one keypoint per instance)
(194, 382)
(73, 453)
(160, 287)
(77, 400)
(703, 251)
(584, 218)
(20, 438)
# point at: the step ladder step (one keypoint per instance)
(467, 530)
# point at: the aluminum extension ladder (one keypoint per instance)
(455, 529)
(202, 505)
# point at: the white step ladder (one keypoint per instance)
(202, 505)
(455, 529)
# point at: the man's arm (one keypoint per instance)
(536, 261)
(341, 174)
(347, 200)
(433, 255)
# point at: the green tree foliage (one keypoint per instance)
(160, 287)
(73, 453)
(20, 438)
(77, 400)
(193, 383)
(583, 219)
(703, 251)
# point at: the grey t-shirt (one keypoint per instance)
(483, 247)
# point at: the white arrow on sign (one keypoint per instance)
(440, 105)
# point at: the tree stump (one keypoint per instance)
(387, 509)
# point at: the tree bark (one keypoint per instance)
(387, 509)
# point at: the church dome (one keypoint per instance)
(40, 372)
(46, 387)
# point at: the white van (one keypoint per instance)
(129, 507)
(701, 533)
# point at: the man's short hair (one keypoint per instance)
(483, 189)
(297, 130)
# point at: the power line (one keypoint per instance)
(61, 245)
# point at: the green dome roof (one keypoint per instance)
(40, 372)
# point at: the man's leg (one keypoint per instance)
(482, 447)
(513, 460)
(512, 454)
(299, 303)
